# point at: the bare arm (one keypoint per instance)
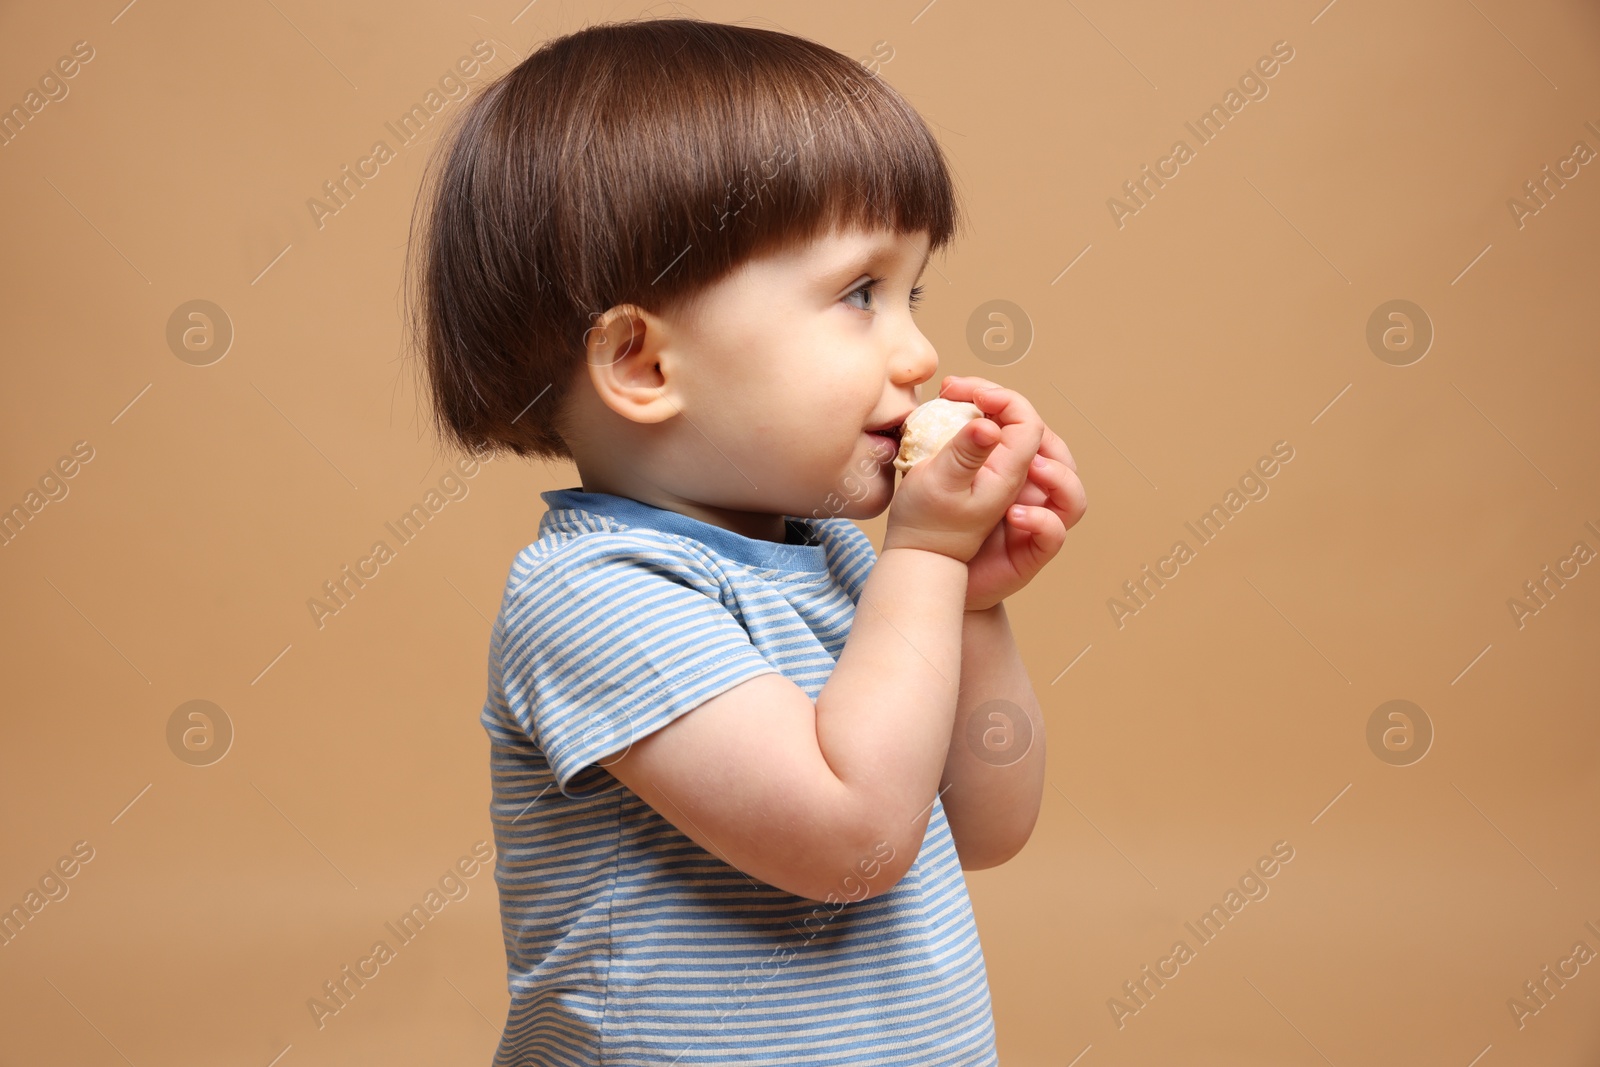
(993, 796)
(884, 718)
(830, 798)
(834, 797)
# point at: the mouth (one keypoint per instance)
(886, 452)
(891, 430)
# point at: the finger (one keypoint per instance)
(1055, 448)
(1037, 532)
(1020, 426)
(1020, 429)
(1033, 491)
(1007, 407)
(962, 387)
(996, 401)
(959, 461)
(1034, 519)
(1019, 423)
(1060, 487)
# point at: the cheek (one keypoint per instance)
(809, 404)
(812, 405)
(811, 438)
(808, 431)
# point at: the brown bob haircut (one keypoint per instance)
(637, 163)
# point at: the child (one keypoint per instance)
(733, 786)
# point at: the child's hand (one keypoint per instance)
(951, 501)
(1052, 501)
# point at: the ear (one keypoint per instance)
(624, 353)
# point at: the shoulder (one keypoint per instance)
(846, 534)
(850, 551)
(567, 562)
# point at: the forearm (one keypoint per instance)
(994, 788)
(885, 715)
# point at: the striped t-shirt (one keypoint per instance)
(627, 944)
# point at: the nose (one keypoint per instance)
(916, 362)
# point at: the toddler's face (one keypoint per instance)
(782, 369)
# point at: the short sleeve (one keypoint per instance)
(610, 638)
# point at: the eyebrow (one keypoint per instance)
(926, 256)
(875, 255)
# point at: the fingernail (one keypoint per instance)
(1040, 462)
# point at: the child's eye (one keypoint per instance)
(870, 286)
(864, 290)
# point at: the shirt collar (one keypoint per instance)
(751, 550)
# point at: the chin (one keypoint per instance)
(862, 488)
(865, 508)
(874, 502)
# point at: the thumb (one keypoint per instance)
(965, 453)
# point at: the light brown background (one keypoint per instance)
(1230, 713)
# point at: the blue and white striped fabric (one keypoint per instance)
(627, 944)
